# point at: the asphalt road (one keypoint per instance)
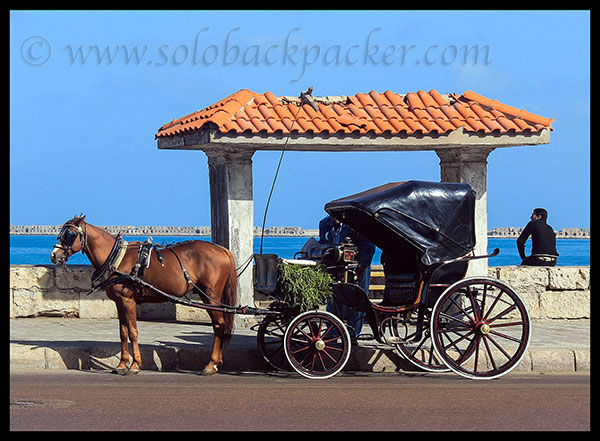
(161, 401)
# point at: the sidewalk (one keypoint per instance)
(65, 343)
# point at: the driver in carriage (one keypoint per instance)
(333, 232)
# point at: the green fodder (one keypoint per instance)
(304, 286)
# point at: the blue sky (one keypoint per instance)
(89, 89)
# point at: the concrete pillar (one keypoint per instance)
(470, 165)
(232, 210)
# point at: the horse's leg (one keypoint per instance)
(123, 333)
(216, 357)
(131, 322)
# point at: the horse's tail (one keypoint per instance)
(230, 297)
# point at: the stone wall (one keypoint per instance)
(561, 292)
(46, 290)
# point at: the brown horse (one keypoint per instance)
(210, 268)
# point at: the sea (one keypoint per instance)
(35, 250)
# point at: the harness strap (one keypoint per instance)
(185, 273)
(143, 260)
(108, 275)
(111, 264)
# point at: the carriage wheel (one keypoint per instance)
(480, 328)
(420, 352)
(270, 341)
(317, 344)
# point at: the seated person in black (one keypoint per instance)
(543, 241)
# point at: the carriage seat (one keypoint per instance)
(400, 289)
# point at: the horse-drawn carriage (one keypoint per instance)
(437, 319)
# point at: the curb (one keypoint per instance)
(238, 358)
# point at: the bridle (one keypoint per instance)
(67, 237)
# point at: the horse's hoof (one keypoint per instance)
(120, 370)
(209, 370)
(132, 371)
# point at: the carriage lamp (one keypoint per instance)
(349, 255)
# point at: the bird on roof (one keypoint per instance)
(306, 98)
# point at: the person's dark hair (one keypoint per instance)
(541, 212)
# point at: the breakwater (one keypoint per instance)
(161, 230)
(565, 233)
(167, 230)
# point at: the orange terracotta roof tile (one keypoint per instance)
(391, 113)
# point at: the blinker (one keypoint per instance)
(67, 237)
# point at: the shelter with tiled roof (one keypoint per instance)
(462, 129)
(427, 113)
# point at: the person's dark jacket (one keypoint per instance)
(543, 239)
(327, 234)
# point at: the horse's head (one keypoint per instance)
(70, 240)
